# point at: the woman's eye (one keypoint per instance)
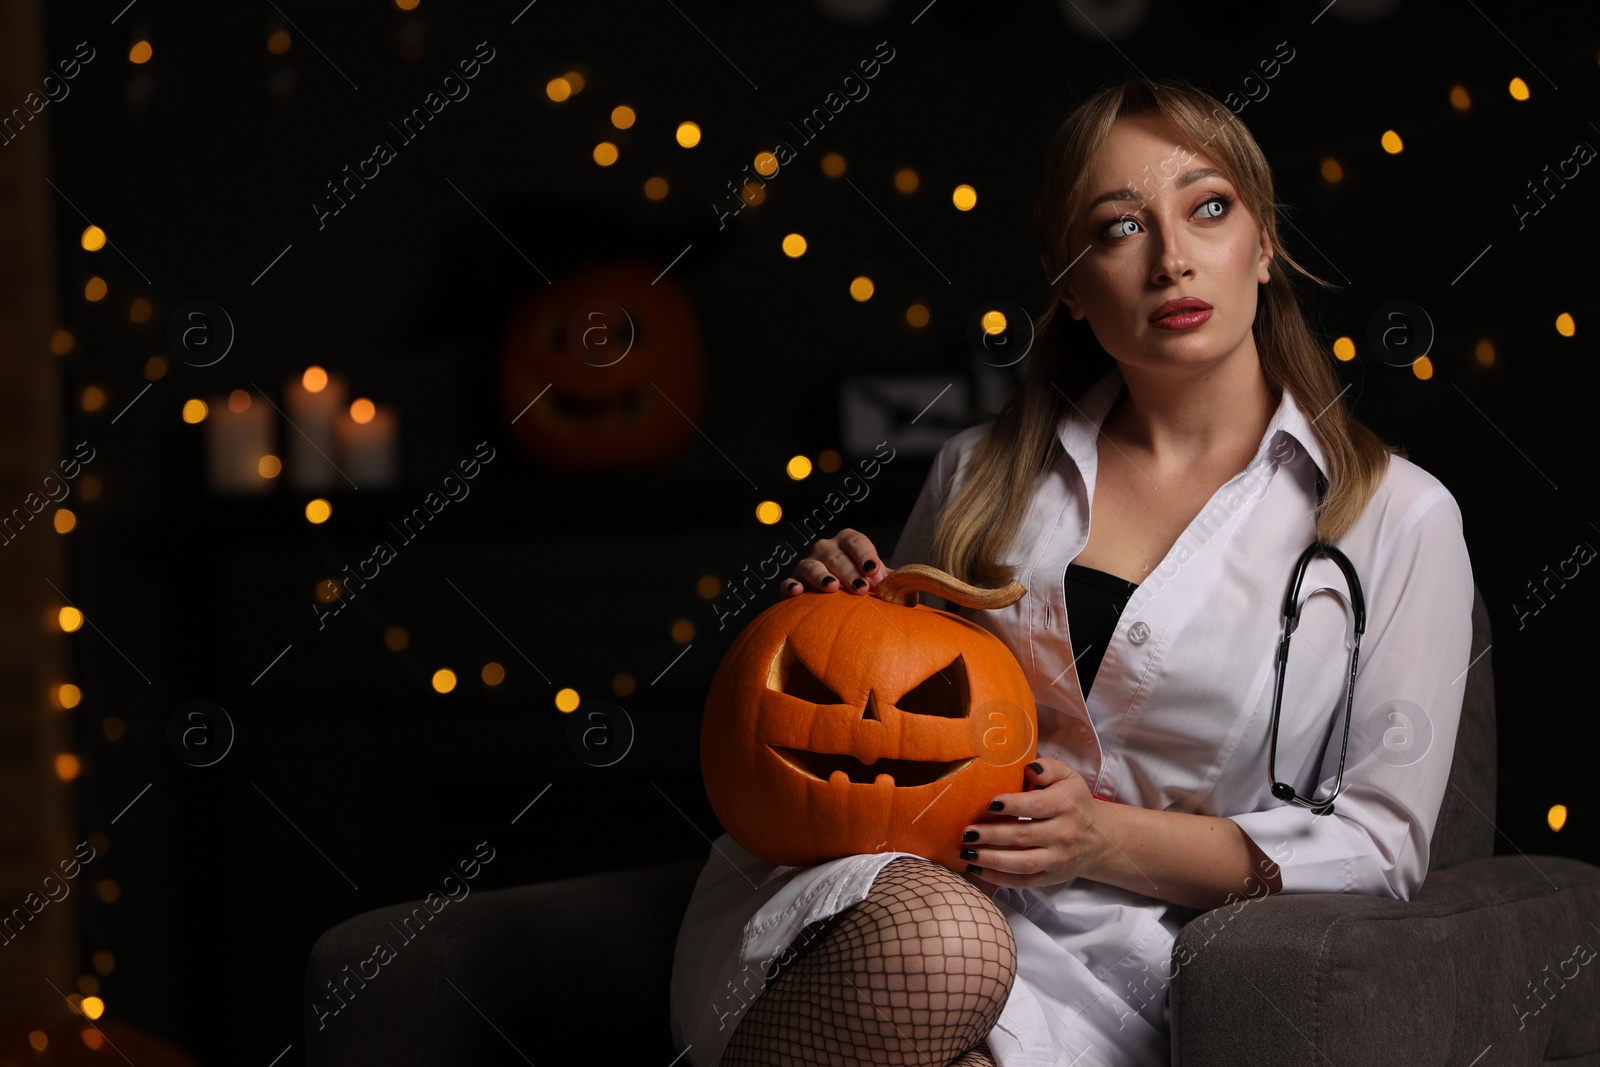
(1109, 229)
(1222, 203)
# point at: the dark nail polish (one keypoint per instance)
(1036, 768)
(791, 587)
(973, 868)
(858, 582)
(969, 853)
(970, 836)
(829, 580)
(997, 805)
(869, 566)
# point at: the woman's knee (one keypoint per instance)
(943, 927)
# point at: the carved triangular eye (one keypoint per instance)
(944, 693)
(788, 675)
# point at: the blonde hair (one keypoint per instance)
(980, 521)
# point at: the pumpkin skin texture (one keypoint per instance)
(609, 381)
(840, 724)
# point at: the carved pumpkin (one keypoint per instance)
(616, 364)
(840, 724)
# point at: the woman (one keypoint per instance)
(1152, 487)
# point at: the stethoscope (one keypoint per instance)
(1291, 619)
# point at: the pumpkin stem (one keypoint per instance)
(906, 582)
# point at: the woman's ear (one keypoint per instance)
(1262, 272)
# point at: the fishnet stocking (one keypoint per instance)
(915, 974)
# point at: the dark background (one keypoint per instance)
(348, 770)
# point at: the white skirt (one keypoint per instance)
(1094, 962)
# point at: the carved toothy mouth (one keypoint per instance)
(622, 408)
(905, 772)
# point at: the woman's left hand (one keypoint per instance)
(1059, 842)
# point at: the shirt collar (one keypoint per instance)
(1088, 413)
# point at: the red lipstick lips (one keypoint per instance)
(1181, 314)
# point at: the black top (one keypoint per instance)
(1095, 601)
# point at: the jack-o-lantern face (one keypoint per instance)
(841, 724)
(613, 353)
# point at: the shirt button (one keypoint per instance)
(1084, 734)
(1138, 633)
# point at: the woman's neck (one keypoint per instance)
(1192, 418)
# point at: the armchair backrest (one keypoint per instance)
(1465, 829)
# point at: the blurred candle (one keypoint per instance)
(238, 433)
(313, 414)
(369, 451)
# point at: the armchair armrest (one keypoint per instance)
(1319, 978)
(504, 976)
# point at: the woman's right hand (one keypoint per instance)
(845, 561)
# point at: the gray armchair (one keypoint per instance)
(1483, 961)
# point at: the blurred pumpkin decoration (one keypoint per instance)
(840, 724)
(613, 353)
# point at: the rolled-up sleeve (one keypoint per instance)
(1410, 682)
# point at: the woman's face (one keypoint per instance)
(1168, 233)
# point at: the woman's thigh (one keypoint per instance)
(916, 972)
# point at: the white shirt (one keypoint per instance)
(1178, 720)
